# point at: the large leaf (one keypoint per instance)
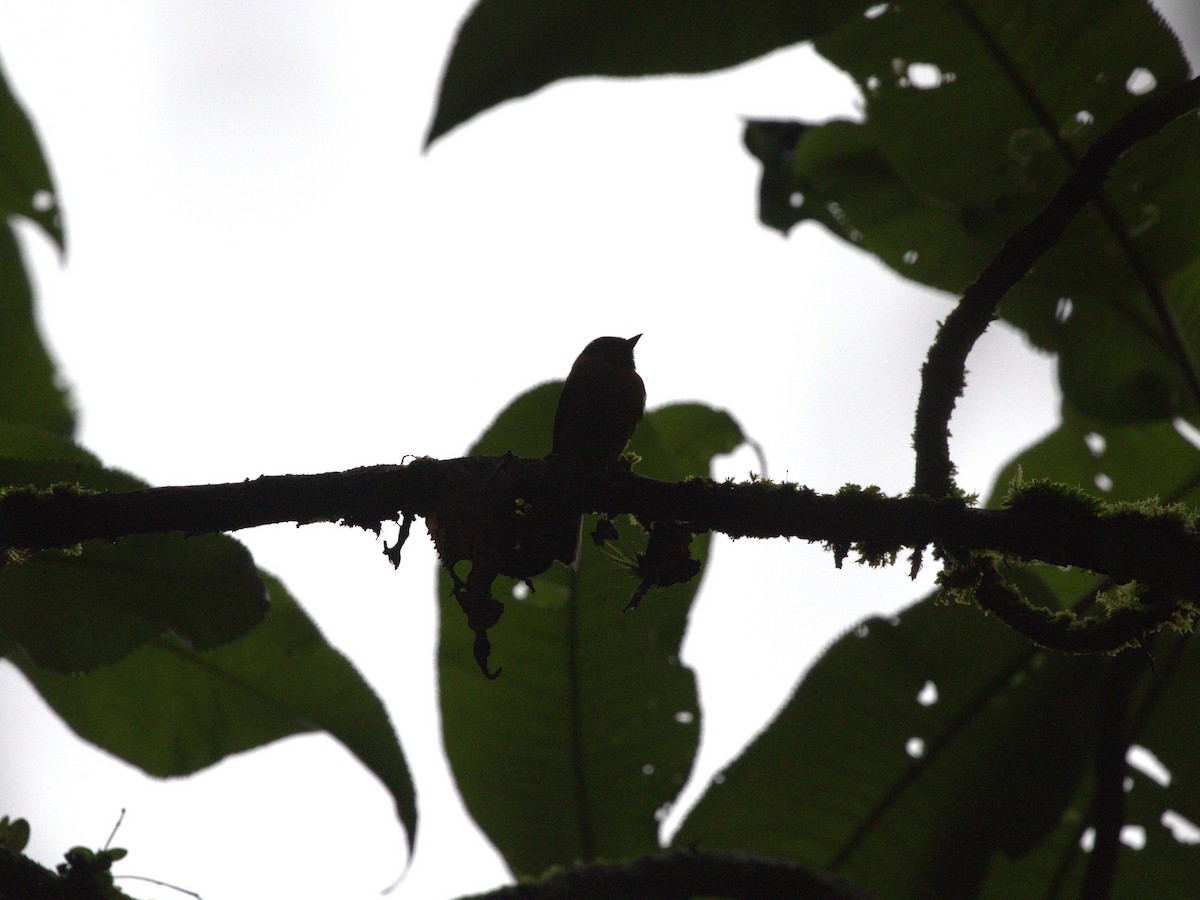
(30, 393)
(26, 188)
(994, 798)
(24, 444)
(912, 753)
(1158, 854)
(1124, 463)
(72, 611)
(575, 752)
(954, 155)
(508, 49)
(172, 710)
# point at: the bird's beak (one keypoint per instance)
(632, 342)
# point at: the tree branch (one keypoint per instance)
(1043, 522)
(943, 375)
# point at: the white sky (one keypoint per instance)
(265, 275)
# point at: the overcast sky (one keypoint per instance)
(265, 275)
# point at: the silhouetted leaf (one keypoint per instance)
(172, 710)
(75, 610)
(912, 753)
(78, 609)
(30, 393)
(591, 729)
(26, 188)
(952, 158)
(508, 49)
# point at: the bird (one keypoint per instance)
(602, 401)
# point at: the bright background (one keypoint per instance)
(266, 275)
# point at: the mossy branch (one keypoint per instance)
(487, 509)
(943, 375)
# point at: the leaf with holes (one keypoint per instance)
(1121, 463)
(974, 113)
(590, 732)
(912, 754)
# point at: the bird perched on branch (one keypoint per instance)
(601, 404)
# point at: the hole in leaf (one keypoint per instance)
(1133, 836)
(928, 695)
(874, 12)
(1148, 764)
(1063, 310)
(683, 717)
(915, 747)
(1140, 81)
(1182, 828)
(1188, 432)
(648, 769)
(520, 590)
(1095, 443)
(924, 76)
(1103, 482)
(1087, 840)
(910, 257)
(42, 201)
(795, 200)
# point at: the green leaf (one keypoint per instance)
(953, 157)
(591, 730)
(1123, 463)
(14, 834)
(1114, 462)
(21, 444)
(172, 710)
(508, 49)
(1164, 723)
(26, 188)
(30, 393)
(1171, 732)
(840, 782)
(75, 611)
